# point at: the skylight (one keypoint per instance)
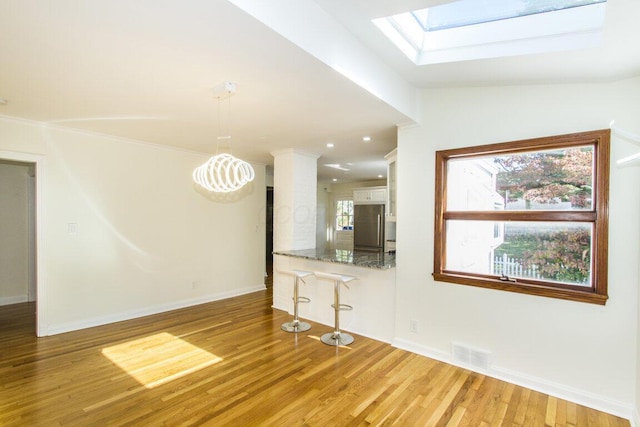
(474, 29)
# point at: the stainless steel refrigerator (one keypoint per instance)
(368, 227)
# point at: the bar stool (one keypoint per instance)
(296, 325)
(337, 337)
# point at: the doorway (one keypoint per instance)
(17, 233)
(20, 196)
(269, 238)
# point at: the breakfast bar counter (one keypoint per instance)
(372, 294)
(366, 259)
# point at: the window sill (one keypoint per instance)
(587, 296)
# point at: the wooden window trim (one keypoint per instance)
(598, 216)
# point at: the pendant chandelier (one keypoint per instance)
(223, 173)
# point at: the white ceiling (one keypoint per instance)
(618, 57)
(145, 69)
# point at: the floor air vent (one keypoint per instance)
(471, 357)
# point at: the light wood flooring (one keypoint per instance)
(228, 363)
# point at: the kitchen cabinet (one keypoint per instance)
(370, 195)
(392, 166)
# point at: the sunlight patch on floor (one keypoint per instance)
(159, 359)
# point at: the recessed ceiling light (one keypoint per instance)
(379, 176)
(334, 179)
(330, 145)
(349, 164)
(366, 138)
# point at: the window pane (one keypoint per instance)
(344, 215)
(471, 12)
(559, 179)
(551, 251)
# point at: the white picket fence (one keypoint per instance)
(513, 267)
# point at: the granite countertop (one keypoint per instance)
(375, 260)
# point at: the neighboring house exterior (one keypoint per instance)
(471, 245)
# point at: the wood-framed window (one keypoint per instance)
(526, 216)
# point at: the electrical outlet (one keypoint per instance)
(413, 326)
(194, 284)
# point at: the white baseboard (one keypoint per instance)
(13, 300)
(147, 311)
(581, 397)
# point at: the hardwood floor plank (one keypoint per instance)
(532, 408)
(561, 413)
(551, 412)
(476, 407)
(503, 405)
(392, 403)
(453, 388)
(457, 404)
(513, 405)
(228, 363)
(493, 402)
(572, 414)
(454, 420)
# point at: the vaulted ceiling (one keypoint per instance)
(307, 72)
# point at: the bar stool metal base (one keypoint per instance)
(294, 326)
(337, 338)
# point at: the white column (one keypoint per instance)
(294, 215)
(295, 199)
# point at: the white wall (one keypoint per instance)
(580, 351)
(14, 233)
(636, 414)
(147, 240)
